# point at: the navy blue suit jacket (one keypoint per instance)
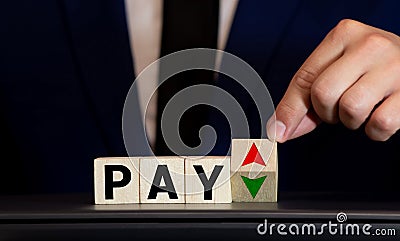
(66, 67)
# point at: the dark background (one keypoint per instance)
(66, 67)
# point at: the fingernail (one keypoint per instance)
(276, 129)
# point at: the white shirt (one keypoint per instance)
(144, 18)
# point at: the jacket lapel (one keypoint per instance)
(99, 38)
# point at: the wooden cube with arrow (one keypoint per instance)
(254, 168)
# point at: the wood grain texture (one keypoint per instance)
(148, 169)
(262, 180)
(211, 165)
(267, 192)
(121, 195)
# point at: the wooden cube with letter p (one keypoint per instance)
(116, 180)
(207, 179)
(254, 168)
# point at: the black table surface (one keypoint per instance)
(74, 216)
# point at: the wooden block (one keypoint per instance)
(260, 188)
(162, 180)
(207, 180)
(116, 180)
(254, 168)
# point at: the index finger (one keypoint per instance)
(296, 102)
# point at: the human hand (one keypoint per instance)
(353, 76)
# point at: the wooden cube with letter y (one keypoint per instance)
(207, 179)
(254, 168)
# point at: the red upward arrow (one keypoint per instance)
(253, 156)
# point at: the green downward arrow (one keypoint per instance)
(253, 185)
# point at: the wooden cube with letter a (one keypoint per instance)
(116, 180)
(254, 168)
(207, 179)
(162, 180)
